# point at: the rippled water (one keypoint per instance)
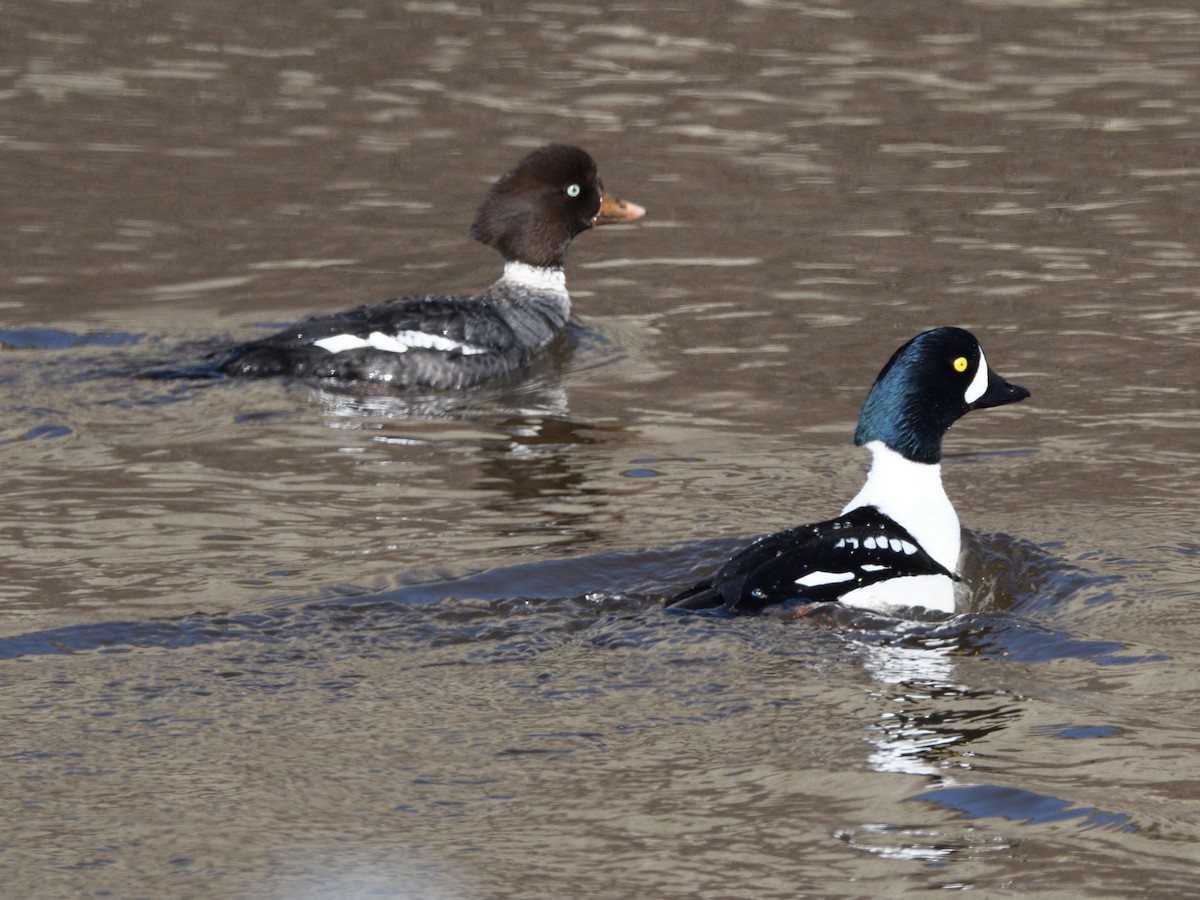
(264, 641)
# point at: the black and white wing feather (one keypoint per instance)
(813, 564)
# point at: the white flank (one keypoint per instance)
(401, 342)
(535, 278)
(815, 579)
(979, 383)
(930, 591)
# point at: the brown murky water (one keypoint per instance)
(258, 641)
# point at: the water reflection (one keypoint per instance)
(928, 721)
(934, 726)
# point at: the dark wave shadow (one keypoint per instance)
(1026, 807)
(543, 602)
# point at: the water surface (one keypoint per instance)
(263, 640)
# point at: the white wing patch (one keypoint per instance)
(430, 342)
(896, 545)
(400, 342)
(815, 579)
(340, 342)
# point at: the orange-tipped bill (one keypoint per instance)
(613, 210)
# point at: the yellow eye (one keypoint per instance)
(960, 364)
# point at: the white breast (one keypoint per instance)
(911, 494)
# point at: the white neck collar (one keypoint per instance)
(535, 278)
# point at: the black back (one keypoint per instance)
(765, 573)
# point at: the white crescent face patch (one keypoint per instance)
(978, 386)
(400, 342)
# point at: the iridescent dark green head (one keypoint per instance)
(926, 386)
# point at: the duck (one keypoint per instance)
(896, 544)
(451, 342)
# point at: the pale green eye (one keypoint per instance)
(573, 190)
